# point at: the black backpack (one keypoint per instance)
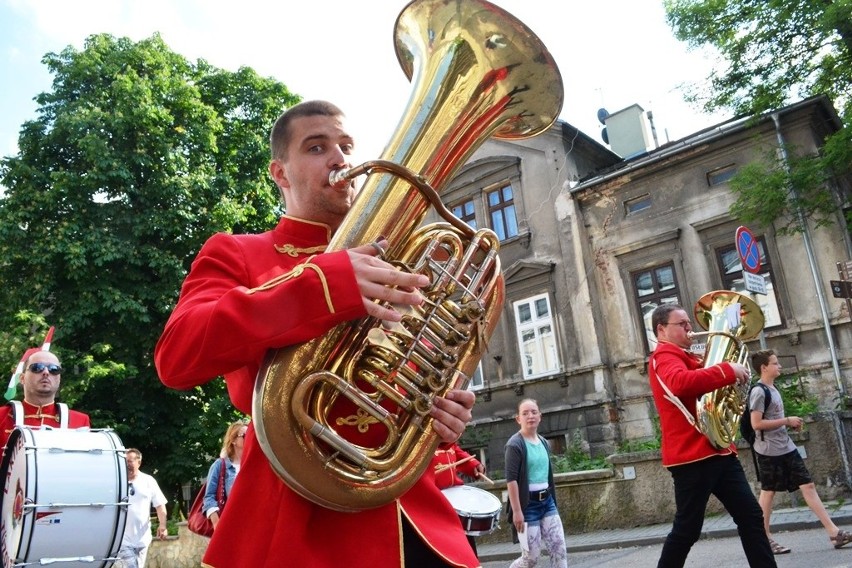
(746, 430)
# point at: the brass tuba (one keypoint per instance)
(730, 319)
(477, 72)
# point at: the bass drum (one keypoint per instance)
(64, 498)
(478, 510)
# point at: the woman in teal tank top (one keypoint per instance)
(529, 481)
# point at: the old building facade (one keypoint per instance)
(591, 243)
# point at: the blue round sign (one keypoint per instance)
(748, 250)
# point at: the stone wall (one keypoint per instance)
(637, 490)
(182, 551)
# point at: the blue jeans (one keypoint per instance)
(535, 511)
(722, 476)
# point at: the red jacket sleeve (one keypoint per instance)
(469, 467)
(7, 424)
(686, 382)
(235, 305)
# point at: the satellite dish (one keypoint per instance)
(604, 135)
(603, 114)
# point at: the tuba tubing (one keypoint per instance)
(477, 72)
(729, 319)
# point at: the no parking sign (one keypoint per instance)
(748, 250)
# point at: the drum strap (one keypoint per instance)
(18, 413)
(63, 414)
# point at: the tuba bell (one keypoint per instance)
(477, 72)
(729, 319)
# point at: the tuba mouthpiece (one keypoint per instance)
(339, 178)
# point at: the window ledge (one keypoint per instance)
(521, 238)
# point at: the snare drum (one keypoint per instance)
(64, 499)
(478, 510)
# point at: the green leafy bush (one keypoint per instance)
(797, 401)
(576, 458)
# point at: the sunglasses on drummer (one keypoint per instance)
(53, 369)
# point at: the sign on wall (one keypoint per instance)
(748, 250)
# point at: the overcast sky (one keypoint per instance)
(611, 53)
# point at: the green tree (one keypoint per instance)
(772, 51)
(135, 158)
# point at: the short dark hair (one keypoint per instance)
(279, 138)
(760, 359)
(660, 315)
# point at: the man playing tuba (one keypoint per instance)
(247, 294)
(698, 468)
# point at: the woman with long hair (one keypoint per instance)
(229, 458)
(532, 493)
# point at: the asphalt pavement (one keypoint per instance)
(715, 526)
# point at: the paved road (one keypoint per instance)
(811, 549)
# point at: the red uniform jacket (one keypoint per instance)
(682, 373)
(35, 416)
(449, 476)
(244, 296)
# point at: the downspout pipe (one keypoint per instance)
(823, 306)
(809, 250)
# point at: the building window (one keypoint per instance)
(732, 279)
(476, 381)
(721, 175)
(637, 204)
(654, 287)
(536, 336)
(466, 213)
(501, 211)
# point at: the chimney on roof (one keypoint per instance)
(629, 132)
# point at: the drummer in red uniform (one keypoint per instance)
(450, 460)
(40, 375)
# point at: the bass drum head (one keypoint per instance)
(14, 474)
(478, 510)
(64, 499)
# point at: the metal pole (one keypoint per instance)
(806, 237)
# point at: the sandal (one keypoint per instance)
(842, 538)
(778, 549)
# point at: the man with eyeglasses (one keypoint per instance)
(40, 379)
(698, 469)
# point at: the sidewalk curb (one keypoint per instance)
(598, 541)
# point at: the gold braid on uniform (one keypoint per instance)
(360, 419)
(297, 271)
(294, 251)
(41, 415)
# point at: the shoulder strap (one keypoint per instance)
(672, 398)
(767, 398)
(220, 489)
(63, 414)
(17, 412)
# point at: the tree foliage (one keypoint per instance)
(135, 158)
(772, 52)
